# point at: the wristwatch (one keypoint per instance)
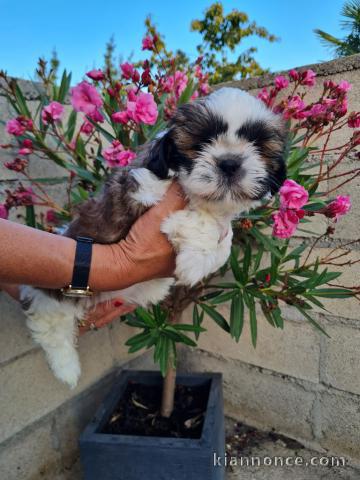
(79, 284)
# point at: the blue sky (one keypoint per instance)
(80, 29)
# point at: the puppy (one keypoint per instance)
(226, 151)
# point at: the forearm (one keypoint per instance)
(33, 257)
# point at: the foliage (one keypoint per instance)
(350, 44)
(112, 114)
(222, 34)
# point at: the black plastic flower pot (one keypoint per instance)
(107, 456)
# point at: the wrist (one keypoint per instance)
(110, 268)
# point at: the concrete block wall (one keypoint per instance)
(298, 381)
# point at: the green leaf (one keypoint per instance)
(197, 319)
(138, 339)
(236, 316)
(249, 300)
(331, 292)
(258, 258)
(246, 262)
(296, 252)
(268, 244)
(216, 316)
(145, 316)
(235, 267)
(21, 102)
(186, 94)
(279, 321)
(186, 327)
(71, 126)
(82, 172)
(311, 320)
(99, 128)
(225, 297)
(64, 87)
(30, 216)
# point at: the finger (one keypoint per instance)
(104, 313)
(11, 289)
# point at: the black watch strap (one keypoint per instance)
(82, 263)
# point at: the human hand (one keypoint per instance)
(97, 317)
(104, 313)
(144, 254)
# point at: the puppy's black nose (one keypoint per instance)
(229, 166)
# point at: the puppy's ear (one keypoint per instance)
(160, 156)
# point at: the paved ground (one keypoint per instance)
(246, 444)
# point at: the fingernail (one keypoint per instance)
(117, 303)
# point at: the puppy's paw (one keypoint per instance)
(192, 267)
(65, 364)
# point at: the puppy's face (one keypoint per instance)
(225, 148)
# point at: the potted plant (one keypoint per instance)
(178, 423)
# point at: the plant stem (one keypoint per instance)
(169, 384)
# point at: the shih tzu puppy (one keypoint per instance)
(226, 151)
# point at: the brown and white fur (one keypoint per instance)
(226, 151)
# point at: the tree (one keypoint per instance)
(222, 34)
(350, 44)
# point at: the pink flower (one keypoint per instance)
(96, 75)
(317, 110)
(264, 96)
(120, 117)
(127, 70)
(142, 109)
(286, 222)
(204, 88)
(148, 43)
(52, 113)
(96, 116)
(4, 213)
(294, 108)
(308, 78)
(281, 82)
(17, 165)
(18, 126)
(117, 156)
(354, 120)
(26, 147)
(293, 74)
(87, 128)
(51, 217)
(344, 86)
(176, 82)
(342, 108)
(85, 98)
(293, 195)
(14, 127)
(195, 95)
(338, 207)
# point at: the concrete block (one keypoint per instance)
(257, 397)
(341, 359)
(294, 351)
(340, 423)
(348, 227)
(71, 419)
(29, 390)
(119, 333)
(31, 455)
(15, 338)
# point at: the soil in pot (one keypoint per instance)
(138, 412)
